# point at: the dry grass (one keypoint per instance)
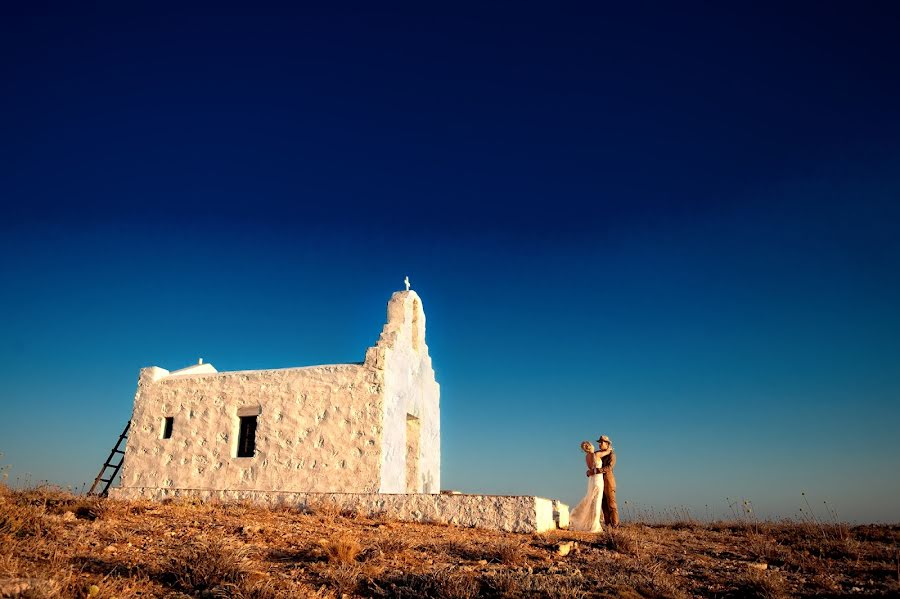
(341, 550)
(55, 544)
(622, 541)
(759, 584)
(509, 552)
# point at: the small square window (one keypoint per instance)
(167, 427)
(247, 437)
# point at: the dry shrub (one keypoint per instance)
(651, 578)
(801, 561)
(878, 533)
(137, 507)
(207, 565)
(59, 502)
(503, 551)
(621, 541)
(759, 584)
(304, 554)
(509, 552)
(461, 550)
(23, 520)
(625, 592)
(391, 546)
(91, 508)
(443, 584)
(325, 510)
(846, 548)
(9, 562)
(684, 525)
(343, 577)
(765, 548)
(523, 584)
(343, 549)
(455, 585)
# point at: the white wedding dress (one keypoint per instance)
(588, 514)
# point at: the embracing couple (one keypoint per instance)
(599, 504)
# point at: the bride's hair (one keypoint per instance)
(586, 446)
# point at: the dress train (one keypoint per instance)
(588, 514)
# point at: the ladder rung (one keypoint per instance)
(107, 464)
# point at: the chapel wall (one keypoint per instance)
(319, 429)
(410, 390)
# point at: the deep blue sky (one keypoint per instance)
(673, 225)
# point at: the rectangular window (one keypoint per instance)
(247, 437)
(167, 427)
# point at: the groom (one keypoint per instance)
(610, 509)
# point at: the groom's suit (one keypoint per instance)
(610, 509)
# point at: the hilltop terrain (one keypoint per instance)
(55, 544)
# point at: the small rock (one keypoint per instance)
(758, 565)
(69, 516)
(482, 562)
(13, 587)
(563, 549)
(110, 549)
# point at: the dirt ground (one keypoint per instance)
(55, 544)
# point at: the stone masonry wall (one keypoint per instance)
(319, 429)
(410, 391)
(522, 514)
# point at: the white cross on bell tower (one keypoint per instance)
(406, 282)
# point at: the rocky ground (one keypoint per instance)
(55, 544)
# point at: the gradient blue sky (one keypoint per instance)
(677, 227)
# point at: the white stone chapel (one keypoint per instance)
(369, 427)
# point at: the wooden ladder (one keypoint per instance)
(114, 468)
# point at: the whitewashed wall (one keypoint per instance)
(409, 389)
(319, 429)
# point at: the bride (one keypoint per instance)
(588, 514)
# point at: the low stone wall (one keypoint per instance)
(517, 513)
(561, 513)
